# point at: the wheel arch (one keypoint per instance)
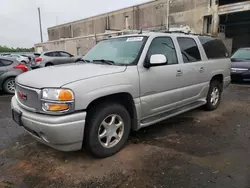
(219, 78)
(122, 98)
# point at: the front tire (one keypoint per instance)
(9, 86)
(107, 129)
(214, 95)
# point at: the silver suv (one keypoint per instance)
(124, 83)
(51, 58)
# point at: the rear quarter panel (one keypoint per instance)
(219, 66)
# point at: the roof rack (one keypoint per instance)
(177, 31)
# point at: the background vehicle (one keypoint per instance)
(9, 69)
(20, 58)
(51, 58)
(124, 83)
(241, 65)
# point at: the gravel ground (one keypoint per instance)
(196, 149)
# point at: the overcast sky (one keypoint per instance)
(19, 25)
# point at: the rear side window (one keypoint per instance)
(5, 62)
(64, 54)
(214, 48)
(57, 54)
(189, 49)
(49, 54)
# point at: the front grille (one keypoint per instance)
(29, 97)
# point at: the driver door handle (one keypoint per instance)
(179, 73)
(202, 69)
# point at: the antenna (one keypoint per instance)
(140, 31)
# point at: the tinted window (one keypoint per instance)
(189, 50)
(49, 54)
(6, 62)
(165, 46)
(1, 64)
(64, 54)
(214, 48)
(242, 54)
(57, 54)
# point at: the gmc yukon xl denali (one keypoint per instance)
(123, 84)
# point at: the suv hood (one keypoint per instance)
(57, 76)
(241, 64)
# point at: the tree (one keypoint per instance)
(7, 49)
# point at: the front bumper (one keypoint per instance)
(245, 76)
(63, 133)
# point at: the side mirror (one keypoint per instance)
(158, 59)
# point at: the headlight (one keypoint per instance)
(57, 100)
(58, 94)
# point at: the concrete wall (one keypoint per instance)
(147, 15)
(85, 43)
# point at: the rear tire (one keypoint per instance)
(48, 65)
(99, 127)
(24, 62)
(214, 95)
(9, 86)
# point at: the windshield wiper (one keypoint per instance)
(85, 60)
(108, 62)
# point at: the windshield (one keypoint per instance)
(120, 51)
(242, 54)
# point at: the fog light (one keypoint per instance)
(55, 107)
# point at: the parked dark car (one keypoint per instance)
(241, 65)
(9, 69)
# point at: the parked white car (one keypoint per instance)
(19, 58)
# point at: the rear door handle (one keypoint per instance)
(202, 69)
(179, 73)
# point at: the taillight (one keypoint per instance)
(38, 59)
(22, 67)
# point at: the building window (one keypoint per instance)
(107, 23)
(126, 22)
(79, 51)
(207, 28)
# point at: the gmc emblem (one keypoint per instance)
(22, 95)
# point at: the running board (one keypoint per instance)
(163, 116)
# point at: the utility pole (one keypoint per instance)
(40, 23)
(167, 18)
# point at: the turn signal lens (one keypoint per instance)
(55, 107)
(65, 95)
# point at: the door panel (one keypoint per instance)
(193, 70)
(65, 57)
(160, 85)
(160, 89)
(2, 72)
(193, 83)
(57, 58)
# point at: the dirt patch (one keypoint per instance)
(196, 149)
